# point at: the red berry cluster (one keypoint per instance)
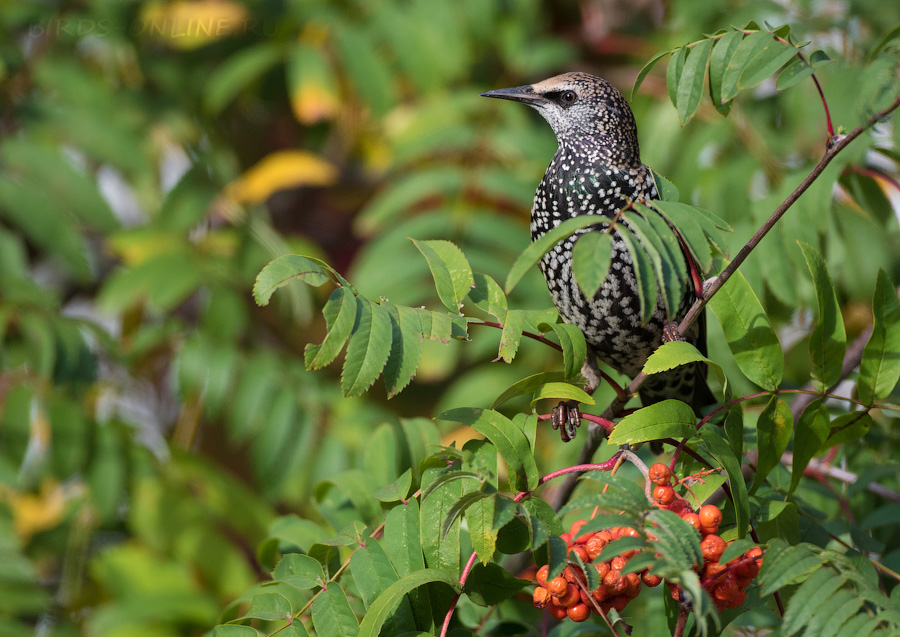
(725, 583)
(566, 595)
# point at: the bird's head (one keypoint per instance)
(579, 105)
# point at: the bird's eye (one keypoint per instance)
(568, 97)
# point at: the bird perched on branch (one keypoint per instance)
(597, 170)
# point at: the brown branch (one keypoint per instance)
(835, 146)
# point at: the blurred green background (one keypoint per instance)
(154, 156)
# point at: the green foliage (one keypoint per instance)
(193, 430)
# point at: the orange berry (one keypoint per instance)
(567, 538)
(748, 570)
(675, 592)
(630, 532)
(620, 602)
(633, 585)
(572, 596)
(541, 597)
(649, 579)
(710, 515)
(618, 563)
(579, 612)
(602, 568)
(600, 594)
(580, 551)
(541, 575)
(742, 582)
(712, 547)
(737, 600)
(595, 546)
(614, 583)
(664, 495)
(709, 530)
(556, 611)
(557, 586)
(660, 474)
(712, 569)
(693, 519)
(679, 507)
(725, 589)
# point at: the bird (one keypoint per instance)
(597, 170)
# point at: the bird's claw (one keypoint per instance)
(566, 417)
(670, 333)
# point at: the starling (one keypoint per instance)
(597, 170)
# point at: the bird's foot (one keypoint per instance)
(670, 333)
(566, 417)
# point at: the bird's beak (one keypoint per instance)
(524, 94)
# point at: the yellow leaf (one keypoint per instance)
(279, 171)
(190, 24)
(312, 102)
(33, 513)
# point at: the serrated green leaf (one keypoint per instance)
(748, 332)
(879, 370)
(671, 355)
(299, 570)
(823, 622)
(510, 441)
(368, 349)
(528, 385)
(773, 433)
(406, 348)
(511, 336)
(647, 285)
(676, 540)
(373, 574)
(269, 607)
(665, 419)
(557, 553)
(488, 296)
(810, 434)
(403, 544)
(561, 391)
(717, 447)
(440, 542)
(645, 70)
(787, 566)
(690, 83)
(746, 51)
(669, 268)
(380, 610)
(810, 596)
(666, 189)
(765, 63)
(719, 60)
(673, 74)
(828, 340)
(794, 73)
(340, 316)
(590, 261)
(533, 253)
(574, 348)
(332, 615)
(450, 269)
(480, 522)
(282, 271)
